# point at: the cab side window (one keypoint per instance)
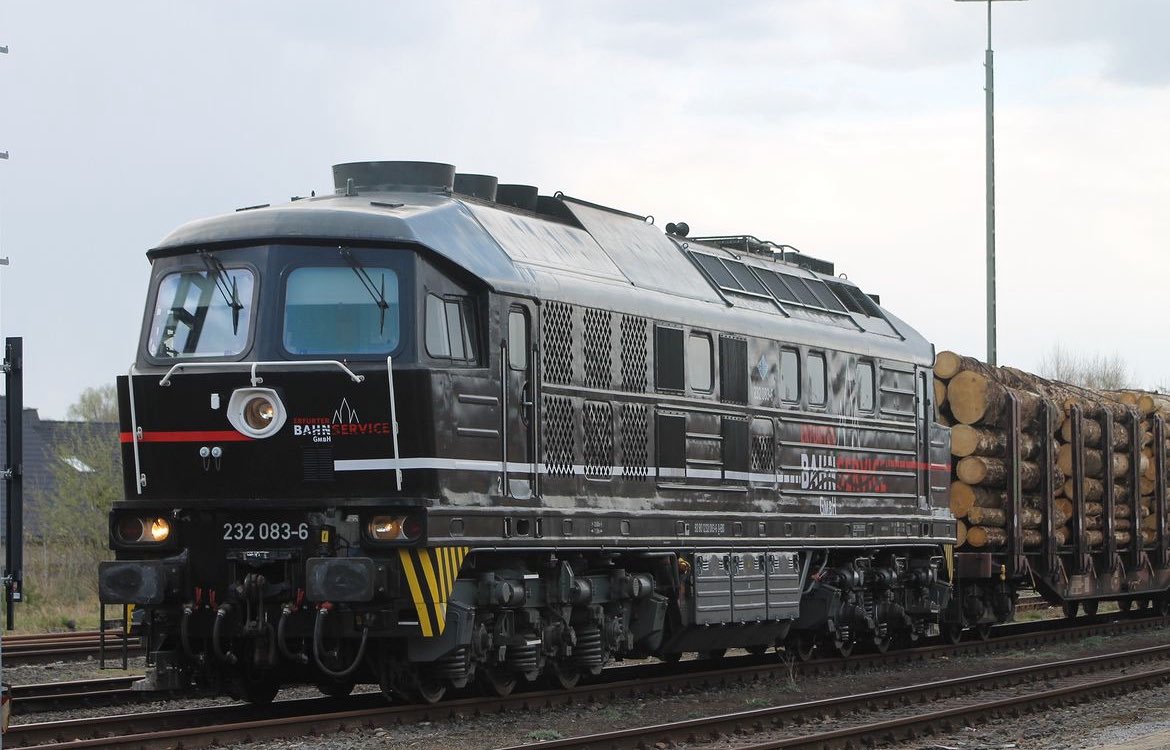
(789, 376)
(448, 329)
(865, 387)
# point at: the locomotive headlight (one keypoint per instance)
(394, 528)
(160, 529)
(136, 530)
(256, 412)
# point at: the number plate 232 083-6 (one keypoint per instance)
(265, 531)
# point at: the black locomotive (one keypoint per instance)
(431, 429)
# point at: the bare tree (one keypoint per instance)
(1091, 371)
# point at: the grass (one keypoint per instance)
(60, 589)
(542, 735)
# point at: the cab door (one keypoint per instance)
(518, 363)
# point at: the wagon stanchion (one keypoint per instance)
(1109, 501)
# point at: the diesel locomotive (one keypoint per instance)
(431, 430)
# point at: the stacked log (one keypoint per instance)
(973, 398)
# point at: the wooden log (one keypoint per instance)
(962, 499)
(974, 441)
(1031, 538)
(1122, 537)
(1122, 511)
(947, 364)
(1031, 518)
(1094, 509)
(1093, 461)
(1149, 537)
(1063, 506)
(986, 536)
(976, 399)
(1149, 466)
(1093, 522)
(1122, 524)
(1094, 489)
(1094, 537)
(1061, 534)
(992, 472)
(1091, 429)
(961, 534)
(940, 393)
(986, 517)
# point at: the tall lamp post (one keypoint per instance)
(989, 89)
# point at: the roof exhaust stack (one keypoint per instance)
(482, 186)
(518, 196)
(393, 176)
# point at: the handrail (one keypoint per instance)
(254, 366)
(393, 424)
(134, 429)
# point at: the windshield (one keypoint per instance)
(341, 310)
(202, 314)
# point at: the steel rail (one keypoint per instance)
(778, 717)
(225, 724)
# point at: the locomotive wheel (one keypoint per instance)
(844, 649)
(1090, 607)
(983, 631)
(1124, 604)
(881, 644)
(952, 632)
(336, 688)
(498, 681)
(713, 654)
(257, 687)
(1070, 609)
(1161, 605)
(671, 657)
(563, 674)
(801, 646)
(429, 690)
(757, 650)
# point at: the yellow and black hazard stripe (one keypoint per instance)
(431, 575)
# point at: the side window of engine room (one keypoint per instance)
(448, 329)
(865, 387)
(789, 376)
(816, 379)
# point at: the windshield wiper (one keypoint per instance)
(377, 294)
(219, 273)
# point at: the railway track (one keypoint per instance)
(41, 648)
(228, 724)
(916, 722)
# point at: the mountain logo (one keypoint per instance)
(345, 414)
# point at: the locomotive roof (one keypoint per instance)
(584, 253)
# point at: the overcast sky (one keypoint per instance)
(851, 129)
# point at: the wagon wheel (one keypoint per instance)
(1070, 609)
(983, 631)
(758, 650)
(713, 654)
(1090, 607)
(498, 680)
(1161, 605)
(801, 645)
(670, 657)
(1124, 604)
(882, 643)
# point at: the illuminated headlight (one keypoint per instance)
(394, 528)
(136, 530)
(256, 412)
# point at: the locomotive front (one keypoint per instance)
(262, 539)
